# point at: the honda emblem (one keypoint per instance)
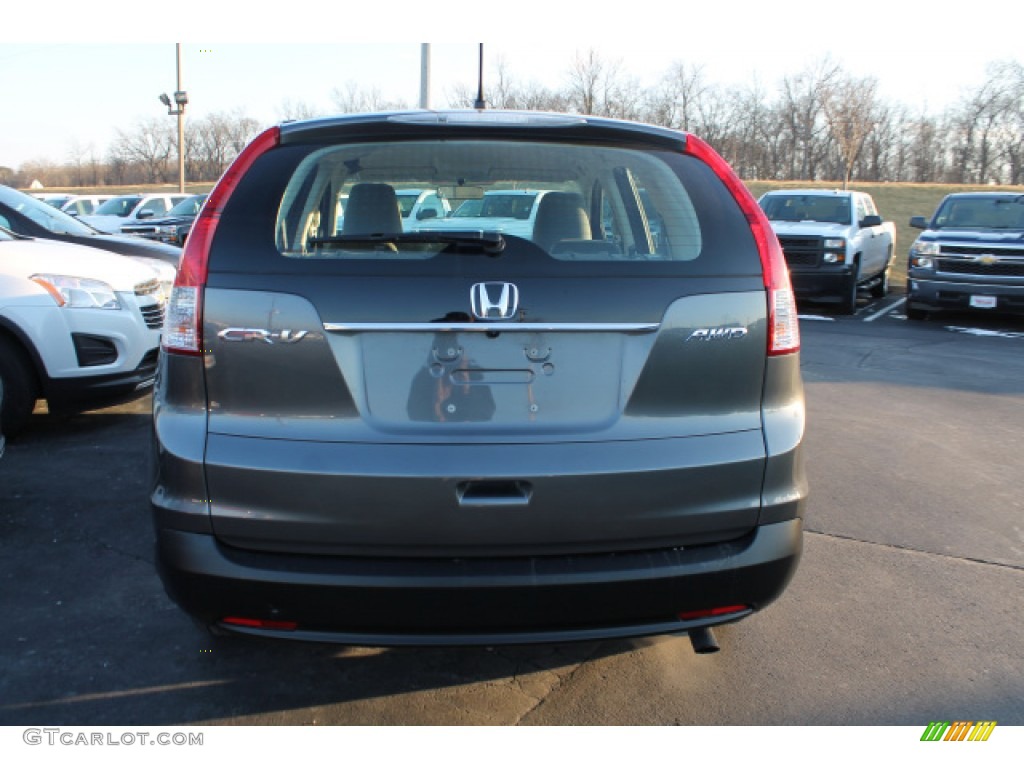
(494, 301)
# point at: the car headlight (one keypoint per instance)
(168, 230)
(78, 292)
(835, 243)
(922, 254)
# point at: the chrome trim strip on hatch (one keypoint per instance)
(492, 327)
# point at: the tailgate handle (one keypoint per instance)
(494, 493)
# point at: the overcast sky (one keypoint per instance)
(70, 76)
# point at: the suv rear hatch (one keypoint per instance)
(590, 389)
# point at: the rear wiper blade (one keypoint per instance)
(491, 243)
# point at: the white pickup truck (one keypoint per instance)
(834, 241)
(509, 211)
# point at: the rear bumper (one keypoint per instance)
(477, 601)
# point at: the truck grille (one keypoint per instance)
(975, 250)
(996, 269)
(801, 251)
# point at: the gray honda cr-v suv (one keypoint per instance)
(381, 434)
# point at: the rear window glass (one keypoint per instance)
(413, 199)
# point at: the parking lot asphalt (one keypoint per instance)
(905, 607)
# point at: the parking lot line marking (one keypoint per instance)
(885, 311)
(985, 332)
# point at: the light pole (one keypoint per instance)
(424, 75)
(180, 100)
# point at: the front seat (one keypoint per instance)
(372, 209)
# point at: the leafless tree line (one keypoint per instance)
(147, 153)
(820, 124)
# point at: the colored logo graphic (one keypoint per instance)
(961, 730)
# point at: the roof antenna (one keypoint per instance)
(480, 103)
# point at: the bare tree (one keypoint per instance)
(714, 117)
(751, 146)
(1000, 143)
(76, 162)
(596, 86)
(353, 97)
(802, 104)
(297, 110)
(1013, 123)
(149, 146)
(851, 111)
(924, 151)
(673, 100)
(978, 126)
(215, 140)
(585, 77)
(46, 172)
(503, 91)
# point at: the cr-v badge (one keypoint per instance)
(286, 336)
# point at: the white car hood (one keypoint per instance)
(165, 272)
(821, 228)
(24, 258)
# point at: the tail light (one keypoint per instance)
(783, 323)
(183, 332)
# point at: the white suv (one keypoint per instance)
(79, 327)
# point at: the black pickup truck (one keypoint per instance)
(970, 256)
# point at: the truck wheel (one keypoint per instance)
(848, 301)
(19, 388)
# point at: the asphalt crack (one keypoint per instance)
(905, 548)
(523, 667)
